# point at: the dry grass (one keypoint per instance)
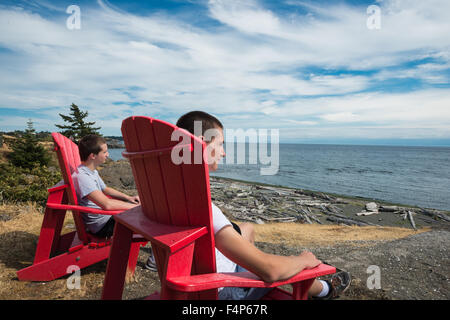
(4, 150)
(18, 240)
(294, 234)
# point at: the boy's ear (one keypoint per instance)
(204, 140)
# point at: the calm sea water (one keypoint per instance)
(406, 175)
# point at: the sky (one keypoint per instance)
(362, 72)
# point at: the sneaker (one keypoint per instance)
(338, 284)
(151, 263)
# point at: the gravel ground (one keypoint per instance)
(415, 267)
(412, 268)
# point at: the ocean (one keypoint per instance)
(418, 176)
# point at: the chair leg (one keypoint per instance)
(173, 295)
(49, 235)
(300, 289)
(117, 263)
(132, 260)
(61, 214)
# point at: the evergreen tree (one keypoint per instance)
(77, 127)
(26, 152)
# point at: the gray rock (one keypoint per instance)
(371, 206)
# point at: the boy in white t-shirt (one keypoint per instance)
(235, 250)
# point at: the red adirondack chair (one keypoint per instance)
(56, 252)
(175, 216)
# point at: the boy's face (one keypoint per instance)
(101, 157)
(214, 150)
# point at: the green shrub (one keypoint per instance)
(26, 152)
(24, 184)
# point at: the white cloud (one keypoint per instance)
(432, 73)
(426, 109)
(252, 67)
(337, 35)
(341, 117)
(246, 16)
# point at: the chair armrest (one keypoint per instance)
(240, 279)
(57, 188)
(174, 238)
(54, 202)
(82, 209)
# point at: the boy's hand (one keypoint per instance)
(309, 260)
(134, 199)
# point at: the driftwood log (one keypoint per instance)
(410, 217)
(347, 221)
(435, 215)
(340, 218)
(262, 203)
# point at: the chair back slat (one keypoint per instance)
(133, 139)
(172, 176)
(69, 160)
(174, 194)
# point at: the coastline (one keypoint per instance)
(413, 177)
(315, 192)
(262, 202)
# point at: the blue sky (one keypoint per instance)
(312, 69)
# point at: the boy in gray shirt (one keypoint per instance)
(92, 191)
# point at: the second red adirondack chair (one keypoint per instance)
(175, 215)
(56, 252)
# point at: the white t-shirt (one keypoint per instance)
(223, 264)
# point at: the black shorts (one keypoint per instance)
(107, 230)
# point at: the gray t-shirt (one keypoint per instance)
(85, 182)
(223, 264)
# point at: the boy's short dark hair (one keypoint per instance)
(208, 121)
(90, 144)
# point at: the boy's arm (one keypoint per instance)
(120, 195)
(100, 199)
(268, 267)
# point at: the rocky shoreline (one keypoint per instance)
(263, 203)
(115, 142)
